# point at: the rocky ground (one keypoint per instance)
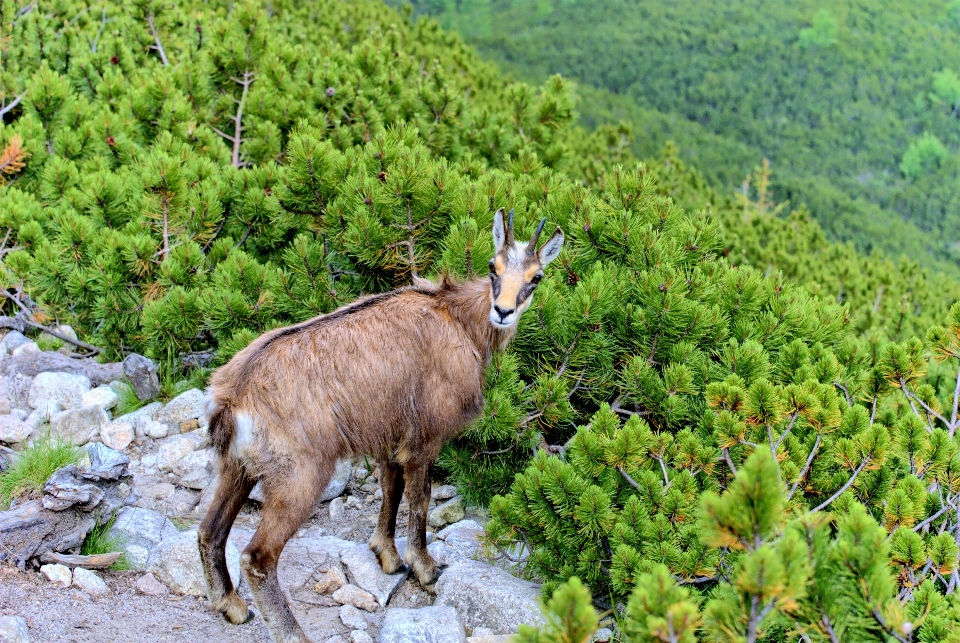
(331, 578)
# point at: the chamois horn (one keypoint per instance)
(532, 244)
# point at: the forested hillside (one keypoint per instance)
(179, 179)
(855, 104)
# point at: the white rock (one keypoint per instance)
(141, 416)
(79, 426)
(13, 629)
(336, 509)
(365, 572)
(195, 470)
(186, 406)
(483, 631)
(64, 388)
(353, 595)
(89, 582)
(156, 430)
(140, 530)
(176, 563)
(149, 585)
(172, 451)
(352, 617)
(360, 636)
(338, 482)
(118, 435)
(102, 396)
(443, 492)
(11, 341)
(26, 348)
(450, 511)
(424, 625)
(57, 574)
(13, 430)
(486, 596)
(136, 556)
(462, 538)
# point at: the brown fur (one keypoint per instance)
(392, 375)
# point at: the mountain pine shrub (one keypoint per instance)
(188, 178)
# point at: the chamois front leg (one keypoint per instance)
(382, 542)
(417, 479)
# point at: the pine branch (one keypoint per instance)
(12, 158)
(16, 101)
(237, 119)
(26, 316)
(806, 467)
(846, 486)
(103, 24)
(156, 38)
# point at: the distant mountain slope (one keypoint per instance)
(855, 104)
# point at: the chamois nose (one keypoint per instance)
(503, 313)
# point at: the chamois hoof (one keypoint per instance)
(237, 611)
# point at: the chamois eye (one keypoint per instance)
(493, 269)
(536, 279)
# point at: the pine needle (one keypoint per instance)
(14, 156)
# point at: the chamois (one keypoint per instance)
(392, 375)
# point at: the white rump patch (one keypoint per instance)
(243, 437)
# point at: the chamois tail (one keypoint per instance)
(223, 427)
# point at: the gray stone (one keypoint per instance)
(401, 542)
(462, 538)
(136, 556)
(156, 430)
(79, 426)
(176, 563)
(139, 531)
(13, 430)
(90, 582)
(102, 396)
(64, 388)
(489, 638)
(186, 406)
(26, 349)
(365, 572)
(441, 552)
(13, 629)
(352, 617)
(141, 416)
(353, 595)
(443, 492)
(341, 476)
(336, 509)
(603, 635)
(57, 574)
(450, 511)
(142, 374)
(172, 451)
(118, 435)
(149, 585)
(195, 470)
(360, 636)
(434, 624)
(11, 341)
(486, 596)
(304, 557)
(483, 631)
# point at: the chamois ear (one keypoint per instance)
(551, 249)
(499, 231)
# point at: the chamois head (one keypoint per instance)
(516, 269)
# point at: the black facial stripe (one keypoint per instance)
(495, 286)
(525, 293)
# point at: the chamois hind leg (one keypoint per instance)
(232, 491)
(417, 479)
(382, 542)
(289, 499)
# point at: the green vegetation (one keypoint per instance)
(183, 179)
(100, 541)
(855, 104)
(33, 466)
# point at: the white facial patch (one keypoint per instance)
(516, 255)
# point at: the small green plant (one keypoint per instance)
(100, 541)
(180, 523)
(34, 465)
(127, 401)
(47, 342)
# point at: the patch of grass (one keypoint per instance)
(34, 465)
(99, 541)
(180, 523)
(127, 401)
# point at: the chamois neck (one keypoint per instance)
(469, 305)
